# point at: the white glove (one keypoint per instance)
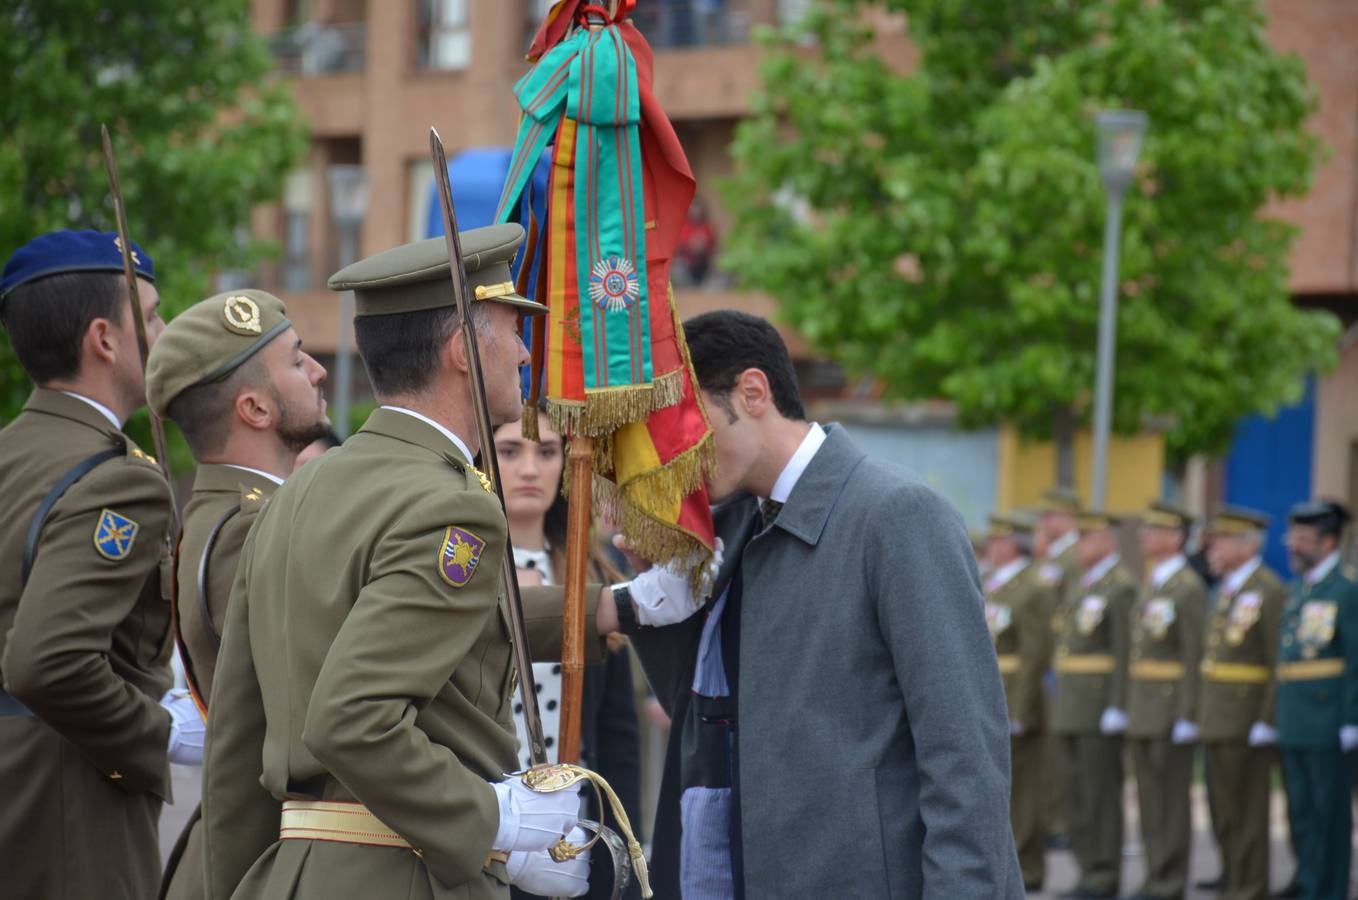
(537, 873)
(1348, 737)
(1185, 732)
(663, 595)
(1262, 735)
(187, 728)
(1113, 721)
(1016, 728)
(533, 821)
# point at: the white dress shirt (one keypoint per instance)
(457, 441)
(792, 472)
(104, 410)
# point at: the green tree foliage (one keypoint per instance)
(942, 229)
(201, 132)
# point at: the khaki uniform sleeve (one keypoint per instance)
(57, 656)
(240, 818)
(1036, 638)
(542, 608)
(1271, 627)
(1192, 614)
(1122, 597)
(407, 632)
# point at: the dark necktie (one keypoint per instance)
(768, 511)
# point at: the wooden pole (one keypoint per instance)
(579, 524)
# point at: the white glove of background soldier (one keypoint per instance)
(1113, 721)
(1262, 735)
(1184, 732)
(187, 728)
(532, 821)
(663, 596)
(537, 873)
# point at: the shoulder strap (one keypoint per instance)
(79, 471)
(204, 612)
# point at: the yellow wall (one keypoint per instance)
(1027, 468)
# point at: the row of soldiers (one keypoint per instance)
(1100, 665)
(94, 599)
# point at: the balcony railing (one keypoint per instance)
(314, 49)
(676, 24)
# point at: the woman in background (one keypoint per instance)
(609, 738)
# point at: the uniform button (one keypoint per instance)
(115, 776)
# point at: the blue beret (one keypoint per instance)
(70, 251)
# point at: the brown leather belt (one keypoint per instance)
(345, 823)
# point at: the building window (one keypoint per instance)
(297, 231)
(445, 39)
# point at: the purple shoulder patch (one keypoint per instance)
(458, 555)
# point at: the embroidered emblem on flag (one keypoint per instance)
(613, 284)
(460, 552)
(114, 535)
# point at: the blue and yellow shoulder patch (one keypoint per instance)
(458, 555)
(114, 535)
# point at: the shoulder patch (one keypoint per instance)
(459, 554)
(114, 535)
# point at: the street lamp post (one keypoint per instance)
(1120, 134)
(348, 203)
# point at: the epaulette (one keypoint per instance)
(459, 466)
(135, 452)
(250, 496)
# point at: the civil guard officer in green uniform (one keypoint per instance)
(361, 725)
(231, 373)
(1318, 698)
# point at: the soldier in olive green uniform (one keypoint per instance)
(1019, 607)
(1091, 701)
(231, 373)
(1236, 698)
(1162, 697)
(1054, 541)
(84, 627)
(1318, 699)
(361, 706)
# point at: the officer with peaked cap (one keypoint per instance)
(365, 661)
(1236, 698)
(84, 627)
(1091, 701)
(231, 373)
(1318, 698)
(1019, 604)
(1162, 696)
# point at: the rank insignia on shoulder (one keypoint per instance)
(458, 555)
(114, 535)
(254, 495)
(485, 482)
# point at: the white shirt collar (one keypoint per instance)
(1099, 569)
(260, 472)
(1323, 568)
(1237, 577)
(541, 560)
(107, 413)
(457, 441)
(787, 480)
(1167, 569)
(1002, 576)
(1062, 544)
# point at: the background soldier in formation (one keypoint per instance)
(230, 371)
(1091, 692)
(84, 627)
(1162, 698)
(1318, 699)
(1236, 708)
(1054, 546)
(1019, 609)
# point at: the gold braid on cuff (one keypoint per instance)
(549, 779)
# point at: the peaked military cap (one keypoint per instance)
(1008, 525)
(415, 276)
(59, 252)
(1059, 500)
(209, 341)
(1163, 514)
(1238, 520)
(1096, 520)
(1329, 516)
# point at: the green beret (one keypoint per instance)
(209, 341)
(415, 276)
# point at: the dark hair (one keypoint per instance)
(331, 439)
(401, 350)
(47, 319)
(203, 412)
(726, 342)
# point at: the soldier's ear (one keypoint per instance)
(101, 341)
(257, 412)
(453, 355)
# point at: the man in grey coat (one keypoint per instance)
(839, 721)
